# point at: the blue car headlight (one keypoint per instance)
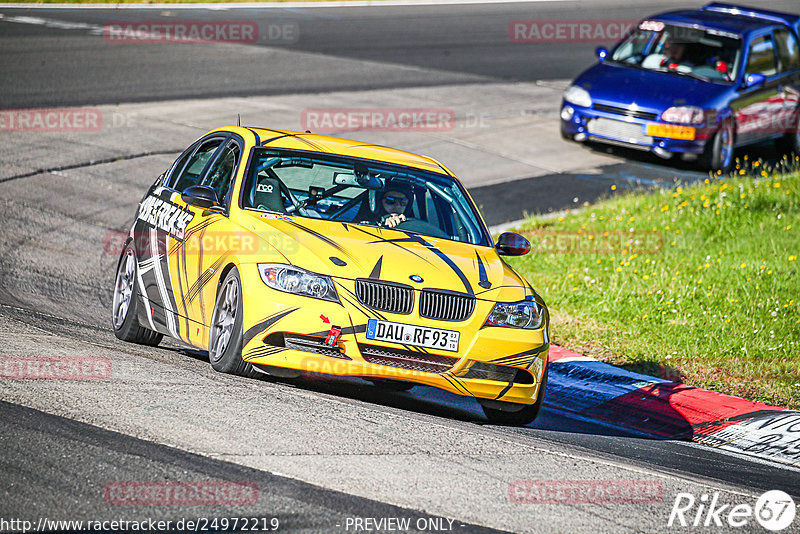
(291, 279)
(683, 115)
(578, 96)
(525, 314)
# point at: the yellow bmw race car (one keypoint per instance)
(282, 252)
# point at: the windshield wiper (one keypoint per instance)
(685, 73)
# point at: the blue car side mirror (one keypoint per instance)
(754, 79)
(601, 53)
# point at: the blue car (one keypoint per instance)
(697, 83)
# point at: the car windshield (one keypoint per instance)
(339, 188)
(697, 52)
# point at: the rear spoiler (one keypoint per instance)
(788, 19)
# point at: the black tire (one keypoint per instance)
(393, 385)
(124, 319)
(566, 135)
(790, 142)
(225, 338)
(718, 154)
(522, 417)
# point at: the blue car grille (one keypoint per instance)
(627, 112)
(624, 131)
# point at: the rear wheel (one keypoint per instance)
(225, 338)
(515, 414)
(123, 310)
(718, 155)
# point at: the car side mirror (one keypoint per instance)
(201, 196)
(754, 79)
(601, 52)
(511, 244)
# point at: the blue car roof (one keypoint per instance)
(739, 20)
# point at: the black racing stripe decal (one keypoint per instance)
(262, 352)
(394, 242)
(265, 323)
(205, 278)
(324, 238)
(258, 139)
(505, 390)
(500, 287)
(484, 280)
(523, 358)
(302, 137)
(376, 271)
(456, 383)
(445, 259)
(414, 238)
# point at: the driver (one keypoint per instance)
(393, 205)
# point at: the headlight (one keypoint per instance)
(683, 115)
(525, 314)
(578, 96)
(298, 281)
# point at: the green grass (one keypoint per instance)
(707, 293)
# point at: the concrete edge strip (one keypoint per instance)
(669, 410)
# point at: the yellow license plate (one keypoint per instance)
(670, 131)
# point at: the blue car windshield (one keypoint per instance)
(697, 52)
(352, 190)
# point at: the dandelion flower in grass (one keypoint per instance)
(792, 258)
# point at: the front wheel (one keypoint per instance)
(526, 413)
(790, 142)
(718, 155)
(123, 309)
(225, 339)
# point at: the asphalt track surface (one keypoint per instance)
(62, 442)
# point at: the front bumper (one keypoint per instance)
(590, 124)
(284, 330)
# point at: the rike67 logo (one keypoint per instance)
(774, 510)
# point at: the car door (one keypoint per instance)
(161, 223)
(760, 106)
(196, 260)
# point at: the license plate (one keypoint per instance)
(409, 334)
(671, 131)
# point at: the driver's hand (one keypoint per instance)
(394, 220)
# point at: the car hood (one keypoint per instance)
(654, 91)
(357, 251)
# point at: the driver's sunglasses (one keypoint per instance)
(395, 200)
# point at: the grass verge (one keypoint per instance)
(696, 284)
